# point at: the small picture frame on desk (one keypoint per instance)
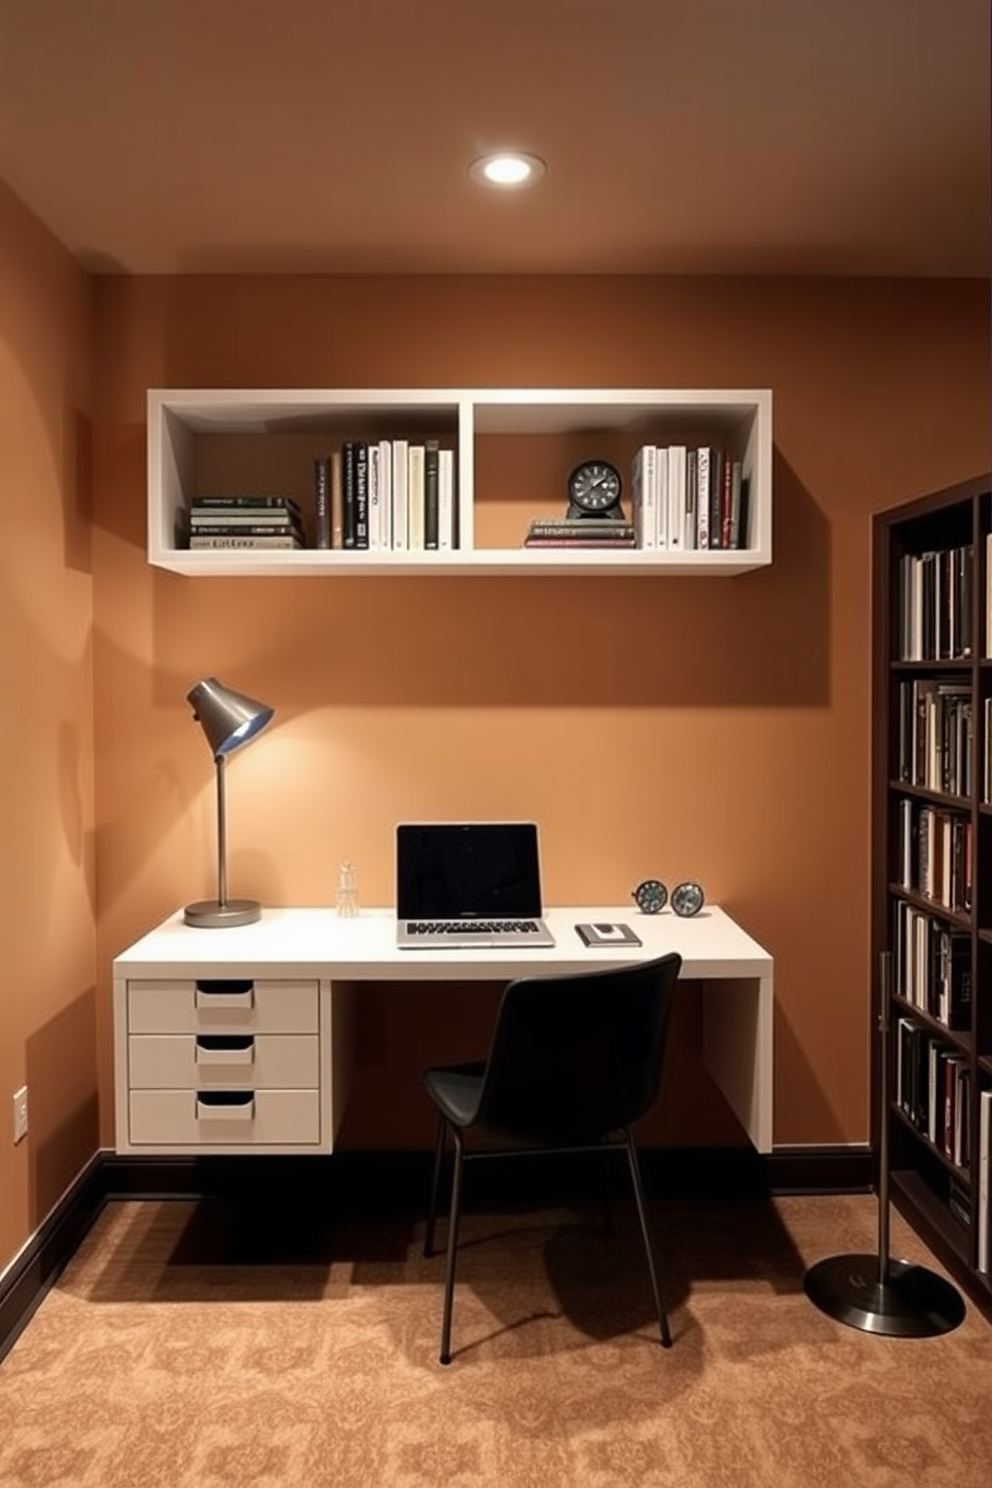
(602, 934)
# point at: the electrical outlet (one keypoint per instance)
(20, 1114)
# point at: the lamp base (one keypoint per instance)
(911, 1302)
(210, 914)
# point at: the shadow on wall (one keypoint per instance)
(63, 1130)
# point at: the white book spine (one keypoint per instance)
(385, 493)
(703, 497)
(661, 497)
(415, 498)
(375, 519)
(676, 496)
(446, 499)
(642, 497)
(401, 539)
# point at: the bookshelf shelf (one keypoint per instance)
(512, 450)
(932, 863)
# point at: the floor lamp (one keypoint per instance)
(874, 1293)
(228, 719)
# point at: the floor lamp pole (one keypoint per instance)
(875, 1293)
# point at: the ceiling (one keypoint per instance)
(334, 136)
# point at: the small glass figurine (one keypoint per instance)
(346, 899)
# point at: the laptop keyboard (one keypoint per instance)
(472, 927)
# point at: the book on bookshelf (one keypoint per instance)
(415, 498)
(243, 502)
(431, 474)
(581, 532)
(242, 540)
(247, 529)
(675, 458)
(644, 496)
(446, 510)
(322, 502)
(361, 494)
(385, 479)
(401, 480)
(348, 495)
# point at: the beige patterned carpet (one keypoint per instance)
(180, 1350)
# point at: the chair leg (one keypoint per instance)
(449, 1267)
(635, 1173)
(442, 1126)
(607, 1195)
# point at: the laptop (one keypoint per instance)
(469, 884)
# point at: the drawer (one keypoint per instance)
(172, 1005)
(265, 1117)
(187, 1061)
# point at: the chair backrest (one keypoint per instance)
(576, 1057)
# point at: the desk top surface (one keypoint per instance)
(318, 943)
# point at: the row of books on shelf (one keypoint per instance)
(934, 604)
(684, 498)
(396, 495)
(241, 522)
(937, 735)
(932, 966)
(935, 854)
(933, 1089)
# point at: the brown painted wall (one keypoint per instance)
(713, 728)
(47, 887)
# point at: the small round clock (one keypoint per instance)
(651, 896)
(687, 899)
(594, 489)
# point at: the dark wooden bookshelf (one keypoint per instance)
(924, 1180)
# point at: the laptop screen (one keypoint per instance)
(464, 870)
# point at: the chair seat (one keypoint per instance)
(456, 1088)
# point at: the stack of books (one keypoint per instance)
(580, 532)
(245, 522)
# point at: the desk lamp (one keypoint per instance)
(228, 719)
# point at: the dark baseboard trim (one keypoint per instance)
(387, 1182)
(50, 1248)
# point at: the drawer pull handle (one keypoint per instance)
(227, 1105)
(225, 994)
(225, 1048)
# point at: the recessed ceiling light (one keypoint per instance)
(507, 168)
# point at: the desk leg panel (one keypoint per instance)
(341, 1055)
(737, 1050)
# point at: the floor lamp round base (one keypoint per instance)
(911, 1302)
(210, 914)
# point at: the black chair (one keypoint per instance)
(574, 1060)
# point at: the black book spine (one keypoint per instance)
(322, 501)
(348, 492)
(361, 494)
(431, 526)
(716, 498)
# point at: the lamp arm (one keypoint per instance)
(221, 834)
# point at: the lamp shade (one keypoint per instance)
(227, 718)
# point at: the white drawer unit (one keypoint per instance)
(224, 1064)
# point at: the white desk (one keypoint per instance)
(265, 1067)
